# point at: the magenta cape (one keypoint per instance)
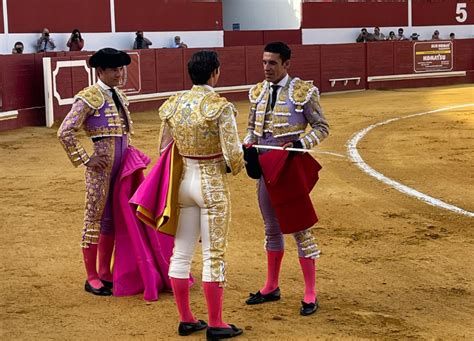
(289, 178)
(141, 254)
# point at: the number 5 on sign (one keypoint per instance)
(461, 11)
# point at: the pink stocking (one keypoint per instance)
(274, 259)
(309, 272)
(214, 297)
(90, 261)
(181, 296)
(106, 248)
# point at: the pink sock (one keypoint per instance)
(274, 259)
(106, 248)
(181, 296)
(308, 266)
(90, 262)
(214, 297)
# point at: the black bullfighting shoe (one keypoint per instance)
(214, 334)
(108, 284)
(187, 328)
(259, 298)
(100, 292)
(308, 308)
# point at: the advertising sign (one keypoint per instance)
(433, 56)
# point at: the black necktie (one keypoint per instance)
(116, 99)
(274, 95)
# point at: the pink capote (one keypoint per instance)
(141, 254)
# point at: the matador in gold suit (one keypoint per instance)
(203, 127)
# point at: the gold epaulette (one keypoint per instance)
(301, 91)
(256, 92)
(168, 108)
(92, 96)
(212, 106)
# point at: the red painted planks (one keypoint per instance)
(169, 69)
(232, 61)
(342, 61)
(243, 38)
(463, 54)
(287, 36)
(380, 58)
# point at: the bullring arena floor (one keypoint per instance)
(393, 267)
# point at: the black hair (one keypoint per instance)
(201, 65)
(18, 43)
(281, 48)
(76, 30)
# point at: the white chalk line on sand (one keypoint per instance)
(357, 159)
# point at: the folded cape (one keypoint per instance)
(289, 178)
(142, 255)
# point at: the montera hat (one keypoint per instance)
(109, 58)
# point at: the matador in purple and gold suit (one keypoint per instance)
(101, 110)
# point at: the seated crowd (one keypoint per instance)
(364, 35)
(76, 43)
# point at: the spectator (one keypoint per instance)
(141, 42)
(364, 36)
(75, 42)
(18, 48)
(435, 35)
(452, 36)
(414, 36)
(377, 35)
(178, 43)
(400, 35)
(45, 42)
(391, 36)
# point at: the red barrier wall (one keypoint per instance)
(243, 38)
(428, 13)
(165, 15)
(25, 16)
(354, 14)
(464, 54)
(169, 69)
(380, 58)
(342, 61)
(249, 38)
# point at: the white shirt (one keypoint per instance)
(105, 87)
(281, 84)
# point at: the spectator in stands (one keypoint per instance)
(75, 42)
(18, 48)
(364, 36)
(392, 36)
(377, 35)
(400, 35)
(452, 36)
(435, 35)
(45, 42)
(414, 36)
(178, 43)
(141, 42)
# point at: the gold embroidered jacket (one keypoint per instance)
(94, 111)
(202, 124)
(297, 106)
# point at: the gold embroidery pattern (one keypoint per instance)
(195, 131)
(215, 192)
(97, 188)
(230, 142)
(301, 91)
(71, 124)
(92, 96)
(258, 91)
(307, 242)
(289, 130)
